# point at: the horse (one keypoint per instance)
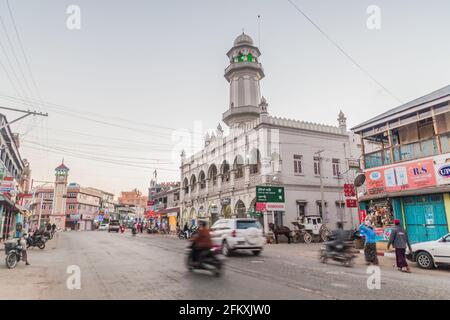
(277, 230)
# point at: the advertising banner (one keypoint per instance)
(6, 186)
(275, 206)
(405, 176)
(442, 169)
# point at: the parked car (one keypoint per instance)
(238, 234)
(114, 225)
(103, 227)
(431, 254)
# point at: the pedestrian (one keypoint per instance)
(23, 244)
(142, 226)
(186, 230)
(370, 246)
(53, 229)
(399, 240)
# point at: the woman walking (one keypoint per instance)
(370, 247)
(399, 240)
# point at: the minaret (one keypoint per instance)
(59, 196)
(342, 120)
(243, 74)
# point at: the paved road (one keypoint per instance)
(119, 266)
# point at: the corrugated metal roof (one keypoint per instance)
(435, 95)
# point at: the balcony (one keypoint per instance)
(406, 152)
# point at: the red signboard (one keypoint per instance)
(362, 215)
(406, 176)
(260, 206)
(351, 203)
(349, 190)
(150, 203)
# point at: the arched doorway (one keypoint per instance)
(239, 210)
(213, 213)
(192, 217)
(226, 212)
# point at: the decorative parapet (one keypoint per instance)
(297, 124)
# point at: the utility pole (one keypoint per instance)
(322, 201)
(27, 114)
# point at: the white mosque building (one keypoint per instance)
(263, 150)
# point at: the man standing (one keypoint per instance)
(399, 240)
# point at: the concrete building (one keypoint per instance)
(14, 179)
(406, 161)
(69, 206)
(166, 202)
(83, 207)
(134, 199)
(262, 150)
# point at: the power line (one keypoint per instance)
(367, 73)
(15, 56)
(23, 50)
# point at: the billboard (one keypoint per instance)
(403, 176)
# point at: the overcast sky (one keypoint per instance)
(138, 70)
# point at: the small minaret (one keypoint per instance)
(219, 131)
(342, 120)
(207, 139)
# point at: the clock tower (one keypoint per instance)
(58, 216)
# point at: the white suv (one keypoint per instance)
(237, 234)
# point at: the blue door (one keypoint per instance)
(425, 217)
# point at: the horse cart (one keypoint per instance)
(310, 229)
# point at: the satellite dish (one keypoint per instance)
(360, 180)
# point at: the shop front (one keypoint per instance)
(10, 216)
(416, 192)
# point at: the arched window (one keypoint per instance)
(186, 186)
(202, 180)
(212, 174)
(225, 170)
(255, 162)
(193, 183)
(239, 166)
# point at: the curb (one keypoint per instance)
(382, 254)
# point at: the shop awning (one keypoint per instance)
(406, 193)
(170, 210)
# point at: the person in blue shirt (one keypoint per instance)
(370, 246)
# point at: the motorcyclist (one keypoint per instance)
(337, 242)
(201, 242)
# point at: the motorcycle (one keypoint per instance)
(47, 235)
(181, 235)
(13, 251)
(134, 231)
(152, 230)
(341, 253)
(36, 241)
(210, 260)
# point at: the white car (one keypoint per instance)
(430, 254)
(238, 234)
(103, 227)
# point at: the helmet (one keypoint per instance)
(203, 223)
